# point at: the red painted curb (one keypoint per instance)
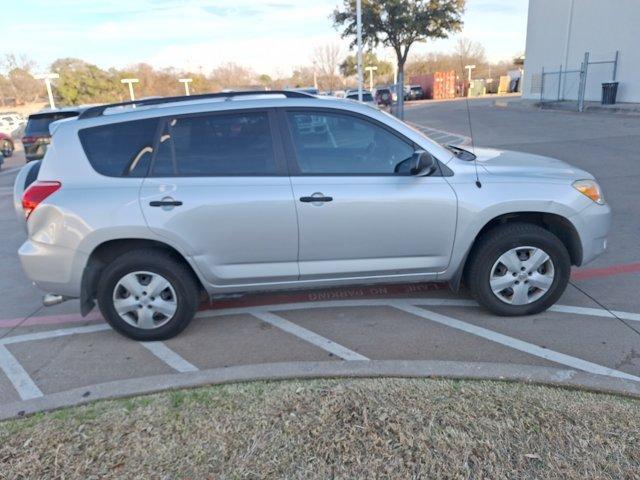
(587, 273)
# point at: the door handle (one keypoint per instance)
(165, 203)
(316, 199)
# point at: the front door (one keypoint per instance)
(357, 216)
(219, 190)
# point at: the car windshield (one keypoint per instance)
(39, 124)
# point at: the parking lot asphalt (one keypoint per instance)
(51, 357)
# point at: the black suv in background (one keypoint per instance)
(416, 92)
(383, 96)
(36, 133)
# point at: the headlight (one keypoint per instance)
(591, 189)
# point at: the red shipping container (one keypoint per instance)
(444, 85)
(425, 81)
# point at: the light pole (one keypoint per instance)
(371, 69)
(186, 82)
(47, 77)
(130, 81)
(315, 75)
(359, 41)
(469, 68)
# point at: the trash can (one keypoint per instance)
(609, 93)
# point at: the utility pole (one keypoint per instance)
(130, 81)
(359, 41)
(47, 77)
(186, 82)
(371, 69)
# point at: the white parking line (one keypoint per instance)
(308, 335)
(595, 312)
(18, 376)
(30, 337)
(168, 356)
(514, 343)
(432, 302)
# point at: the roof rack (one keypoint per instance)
(100, 109)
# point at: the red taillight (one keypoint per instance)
(36, 193)
(34, 139)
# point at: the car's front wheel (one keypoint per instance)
(518, 269)
(147, 295)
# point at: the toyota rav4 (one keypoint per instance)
(150, 210)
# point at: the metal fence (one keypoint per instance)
(571, 84)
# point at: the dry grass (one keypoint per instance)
(383, 428)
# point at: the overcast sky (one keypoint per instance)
(270, 36)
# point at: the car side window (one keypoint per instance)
(120, 149)
(328, 143)
(216, 145)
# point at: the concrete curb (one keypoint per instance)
(341, 369)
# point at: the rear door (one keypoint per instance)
(358, 218)
(218, 188)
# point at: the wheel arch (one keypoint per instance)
(108, 251)
(559, 225)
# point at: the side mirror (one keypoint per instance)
(422, 164)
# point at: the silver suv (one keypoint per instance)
(153, 209)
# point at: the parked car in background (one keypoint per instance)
(394, 90)
(416, 92)
(310, 90)
(36, 134)
(383, 96)
(6, 145)
(151, 210)
(9, 124)
(367, 98)
(17, 117)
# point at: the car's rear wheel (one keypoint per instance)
(6, 147)
(147, 295)
(518, 269)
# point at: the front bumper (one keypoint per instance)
(593, 225)
(53, 268)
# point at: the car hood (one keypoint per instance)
(519, 164)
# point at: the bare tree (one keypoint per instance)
(232, 75)
(20, 82)
(327, 60)
(468, 52)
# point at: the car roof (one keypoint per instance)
(45, 112)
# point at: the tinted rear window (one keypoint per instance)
(39, 124)
(120, 149)
(216, 145)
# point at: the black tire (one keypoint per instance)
(175, 272)
(500, 240)
(6, 147)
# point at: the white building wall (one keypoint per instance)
(559, 32)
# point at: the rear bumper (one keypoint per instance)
(52, 268)
(593, 225)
